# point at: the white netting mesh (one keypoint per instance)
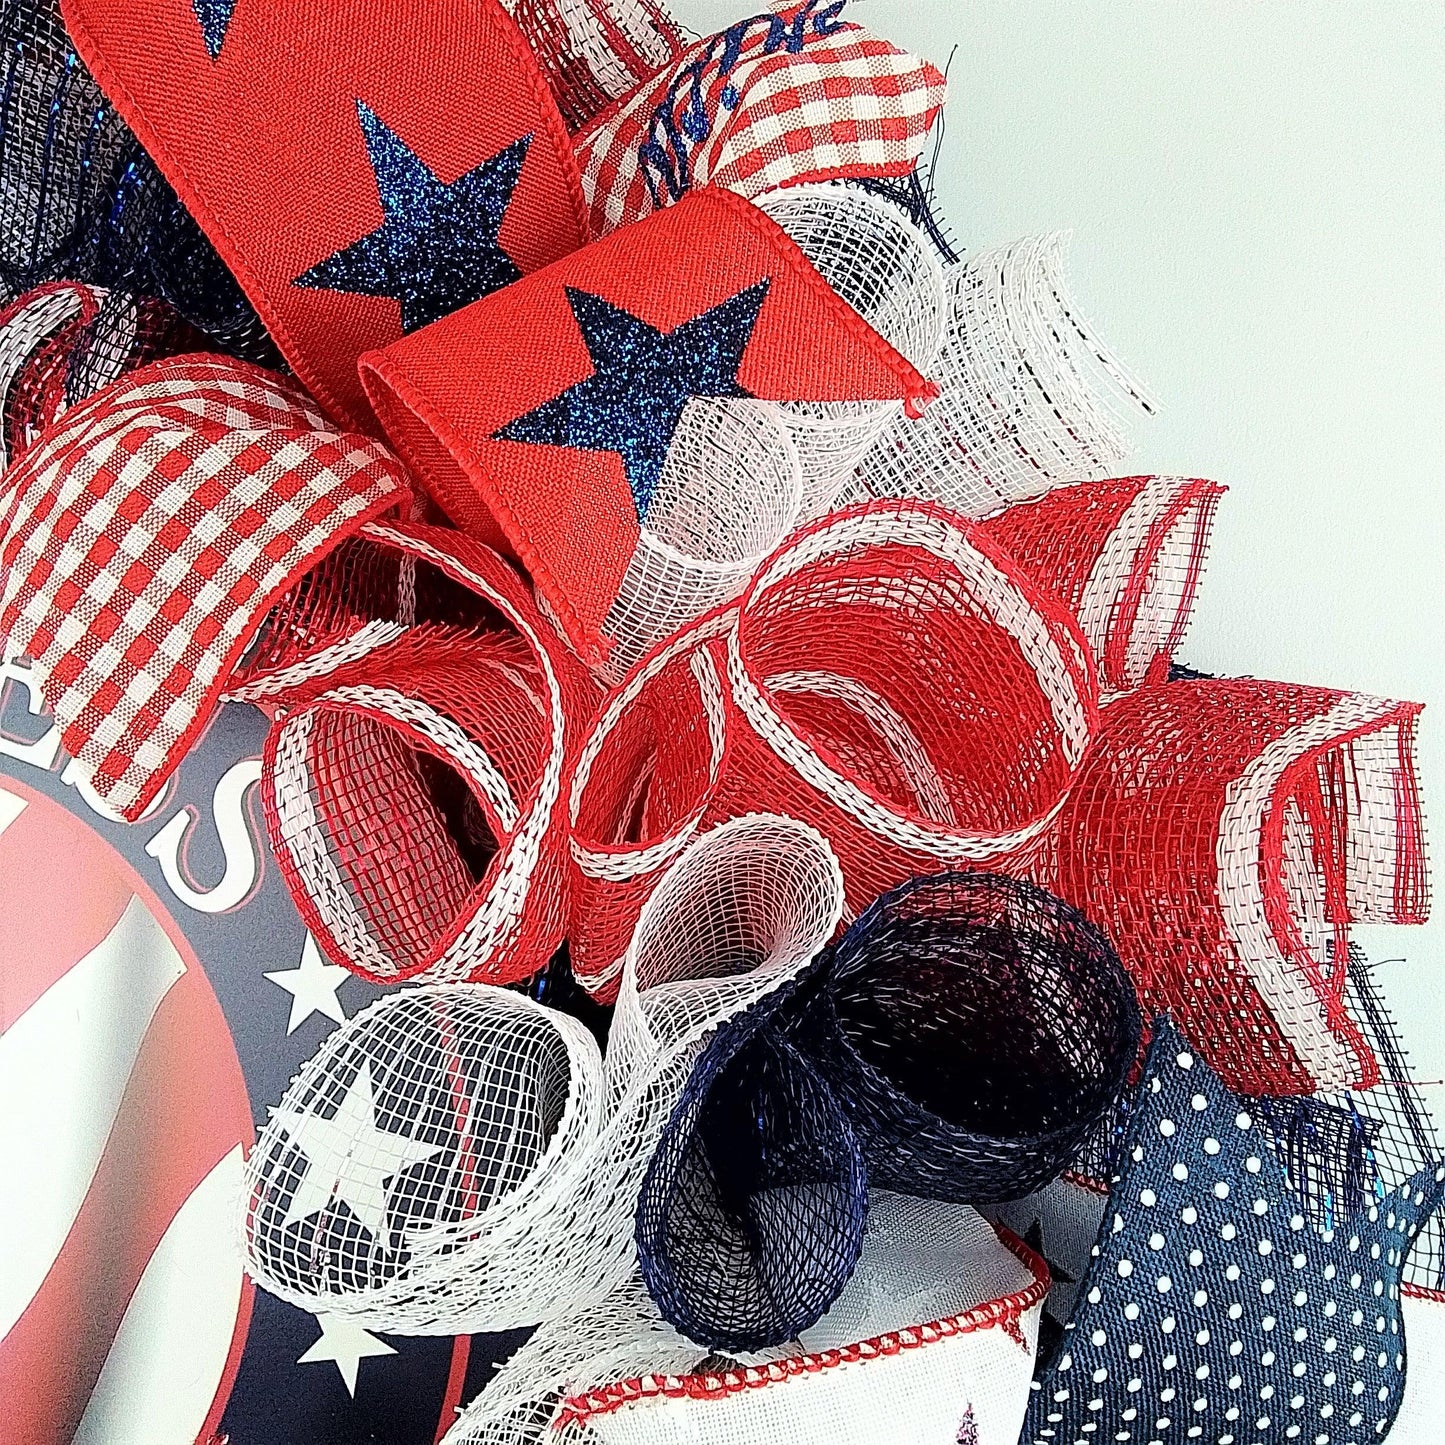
(427, 1110)
(939, 1321)
(614, 1338)
(885, 269)
(1026, 388)
(729, 493)
(459, 1160)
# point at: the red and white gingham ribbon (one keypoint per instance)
(143, 539)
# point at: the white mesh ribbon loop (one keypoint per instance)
(1024, 384)
(459, 1159)
(933, 1340)
(912, 568)
(427, 1110)
(885, 269)
(730, 491)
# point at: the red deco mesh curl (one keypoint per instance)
(905, 689)
(642, 783)
(412, 781)
(1225, 835)
(1125, 557)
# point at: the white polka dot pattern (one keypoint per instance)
(1214, 1309)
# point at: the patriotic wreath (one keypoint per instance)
(722, 696)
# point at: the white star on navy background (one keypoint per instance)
(312, 985)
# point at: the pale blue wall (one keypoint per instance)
(1257, 193)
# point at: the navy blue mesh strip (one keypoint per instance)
(81, 201)
(958, 1043)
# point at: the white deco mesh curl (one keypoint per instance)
(1026, 386)
(953, 1311)
(618, 1337)
(461, 1160)
(886, 270)
(426, 1110)
(729, 492)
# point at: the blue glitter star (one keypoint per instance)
(642, 380)
(437, 250)
(215, 18)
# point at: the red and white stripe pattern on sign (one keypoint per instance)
(143, 539)
(776, 102)
(123, 1120)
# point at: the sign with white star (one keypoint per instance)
(312, 985)
(345, 1344)
(202, 861)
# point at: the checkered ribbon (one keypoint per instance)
(775, 100)
(144, 538)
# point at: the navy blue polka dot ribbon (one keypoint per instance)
(1219, 1305)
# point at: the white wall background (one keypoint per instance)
(1257, 194)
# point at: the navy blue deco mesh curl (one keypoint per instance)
(750, 1219)
(958, 1043)
(81, 201)
(976, 1029)
(1216, 1305)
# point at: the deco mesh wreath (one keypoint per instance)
(721, 699)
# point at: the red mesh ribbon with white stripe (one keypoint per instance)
(36, 329)
(412, 787)
(639, 789)
(772, 101)
(890, 677)
(900, 684)
(1125, 557)
(1225, 835)
(144, 537)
